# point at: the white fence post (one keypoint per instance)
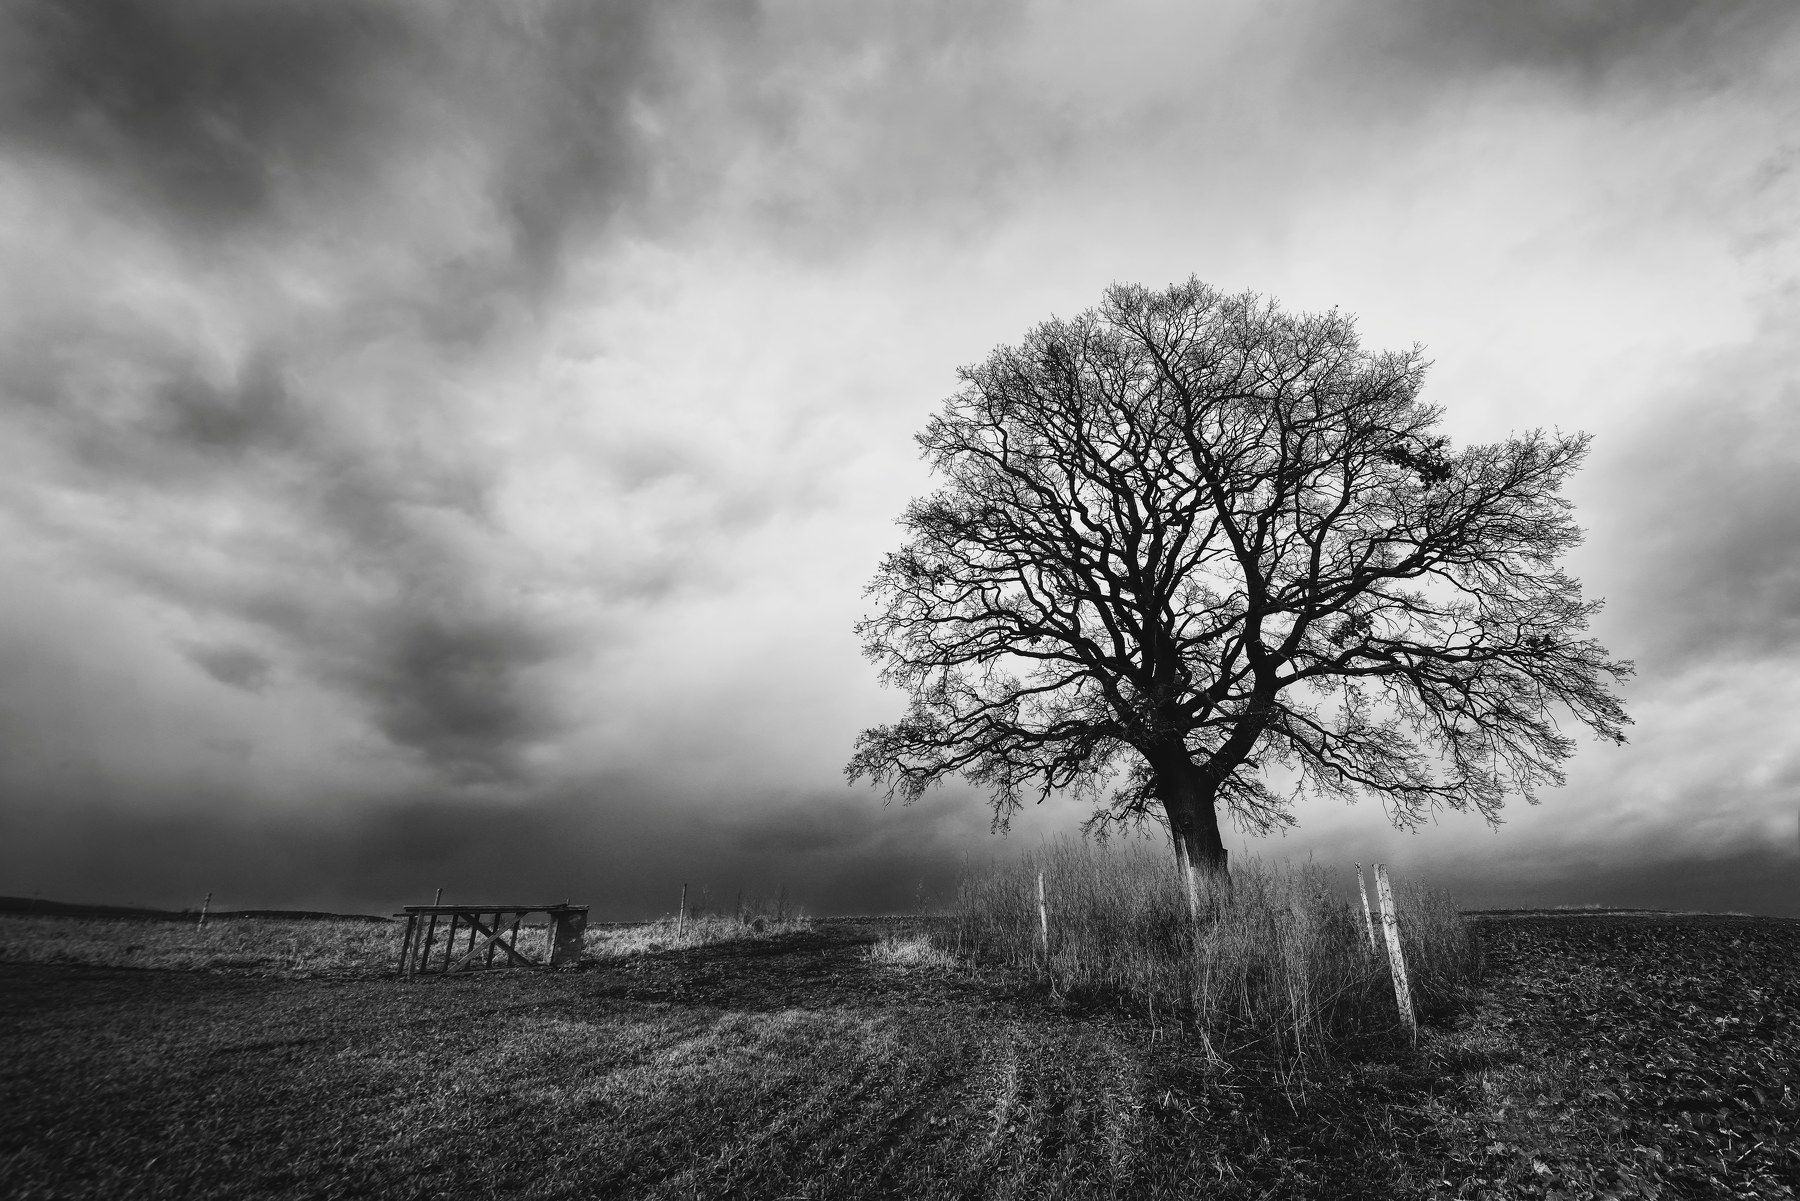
(1044, 917)
(1390, 926)
(1368, 920)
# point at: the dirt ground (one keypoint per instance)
(798, 1067)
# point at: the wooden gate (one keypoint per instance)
(489, 931)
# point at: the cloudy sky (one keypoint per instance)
(444, 443)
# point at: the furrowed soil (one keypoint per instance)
(1608, 1056)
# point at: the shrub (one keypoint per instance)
(1274, 963)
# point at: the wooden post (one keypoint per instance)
(1368, 920)
(1044, 917)
(512, 936)
(566, 929)
(1390, 926)
(407, 941)
(424, 946)
(204, 906)
(681, 917)
(450, 940)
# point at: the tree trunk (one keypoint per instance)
(1189, 800)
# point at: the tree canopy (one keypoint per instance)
(1192, 552)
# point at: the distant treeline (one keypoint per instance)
(39, 906)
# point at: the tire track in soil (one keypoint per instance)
(981, 1093)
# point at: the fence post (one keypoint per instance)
(1368, 920)
(204, 906)
(450, 940)
(566, 931)
(423, 946)
(1044, 917)
(1390, 926)
(681, 917)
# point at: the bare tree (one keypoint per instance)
(1188, 543)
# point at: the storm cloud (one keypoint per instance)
(446, 443)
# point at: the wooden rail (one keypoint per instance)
(487, 936)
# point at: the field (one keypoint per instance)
(1626, 1056)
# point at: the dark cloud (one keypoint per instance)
(627, 847)
(831, 825)
(1585, 42)
(369, 561)
(1747, 879)
(574, 144)
(206, 109)
(623, 845)
(354, 530)
(254, 412)
(234, 121)
(235, 666)
(453, 687)
(175, 425)
(1699, 527)
(826, 128)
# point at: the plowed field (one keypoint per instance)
(1631, 1057)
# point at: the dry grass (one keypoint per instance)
(749, 918)
(322, 947)
(272, 946)
(1275, 963)
(673, 934)
(908, 949)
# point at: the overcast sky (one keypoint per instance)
(444, 444)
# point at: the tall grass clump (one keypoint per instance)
(1276, 962)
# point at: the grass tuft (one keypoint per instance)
(909, 949)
